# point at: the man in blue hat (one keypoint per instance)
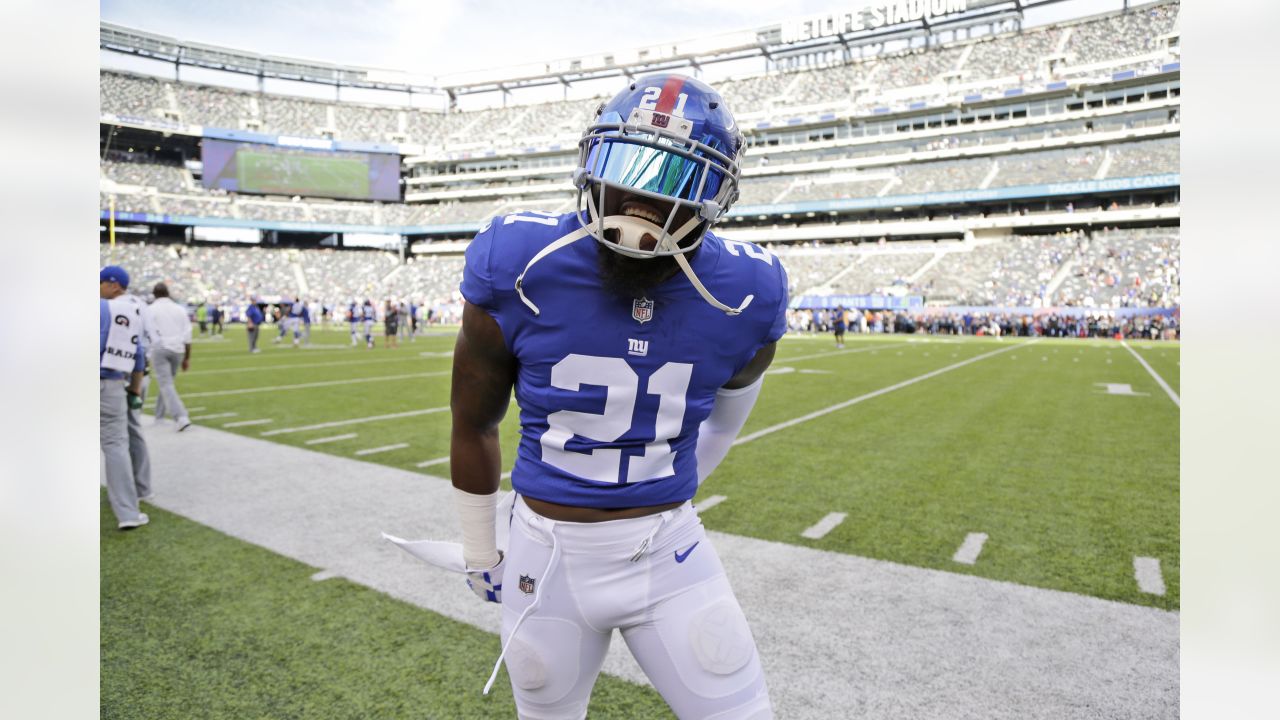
(120, 365)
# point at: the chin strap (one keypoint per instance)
(670, 240)
(569, 239)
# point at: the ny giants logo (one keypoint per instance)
(660, 120)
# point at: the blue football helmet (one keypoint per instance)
(659, 161)
(665, 147)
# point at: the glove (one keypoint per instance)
(135, 401)
(487, 584)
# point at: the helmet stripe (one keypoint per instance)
(670, 91)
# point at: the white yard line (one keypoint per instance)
(244, 423)
(335, 438)
(847, 403)
(1159, 380)
(436, 461)
(326, 383)
(824, 526)
(356, 421)
(708, 503)
(829, 353)
(324, 575)
(254, 369)
(1147, 572)
(970, 548)
(214, 416)
(384, 448)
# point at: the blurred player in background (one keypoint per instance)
(838, 323)
(169, 329)
(391, 321)
(369, 316)
(297, 316)
(353, 317)
(253, 319)
(633, 378)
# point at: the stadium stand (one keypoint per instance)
(494, 161)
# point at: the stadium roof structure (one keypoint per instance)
(876, 21)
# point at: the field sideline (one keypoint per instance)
(1049, 464)
(1069, 482)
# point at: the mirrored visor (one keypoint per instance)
(650, 168)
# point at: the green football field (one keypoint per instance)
(1063, 453)
(278, 172)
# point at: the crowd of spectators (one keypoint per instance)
(1048, 323)
(1148, 157)
(1126, 268)
(1121, 35)
(1011, 58)
(1013, 272)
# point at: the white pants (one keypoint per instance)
(673, 605)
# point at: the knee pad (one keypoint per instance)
(720, 638)
(526, 667)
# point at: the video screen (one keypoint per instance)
(269, 169)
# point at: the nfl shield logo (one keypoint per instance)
(642, 309)
(526, 584)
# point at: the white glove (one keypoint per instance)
(487, 584)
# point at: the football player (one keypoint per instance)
(633, 377)
(369, 315)
(353, 317)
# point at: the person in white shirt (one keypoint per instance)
(169, 329)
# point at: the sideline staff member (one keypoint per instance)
(120, 364)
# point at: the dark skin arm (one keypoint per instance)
(754, 369)
(484, 372)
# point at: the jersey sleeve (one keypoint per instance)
(477, 275)
(779, 326)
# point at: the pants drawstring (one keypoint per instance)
(643, 547)
(537, 599)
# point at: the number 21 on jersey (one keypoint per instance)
(669, 382)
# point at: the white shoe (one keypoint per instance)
(183, 424)
(147, 498)
(130, 524)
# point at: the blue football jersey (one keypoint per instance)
(612, 389)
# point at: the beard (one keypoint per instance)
(630, 277)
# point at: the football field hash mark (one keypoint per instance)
(1146, 571)
(244, 423)
(382, 449)
(710, 502)
(434, 461)
(335, 438)
(324, 575)
(824, 526)
(356, 421)
(970, 548)
(214, 416)
(325, 383)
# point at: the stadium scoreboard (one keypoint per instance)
(246, 167)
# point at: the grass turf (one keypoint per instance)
(1069, 482)
(198, 624)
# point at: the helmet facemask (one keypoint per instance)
(649, 191)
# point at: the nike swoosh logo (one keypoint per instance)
(681, 557)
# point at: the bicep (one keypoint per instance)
(754, 368)
(484, 371)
